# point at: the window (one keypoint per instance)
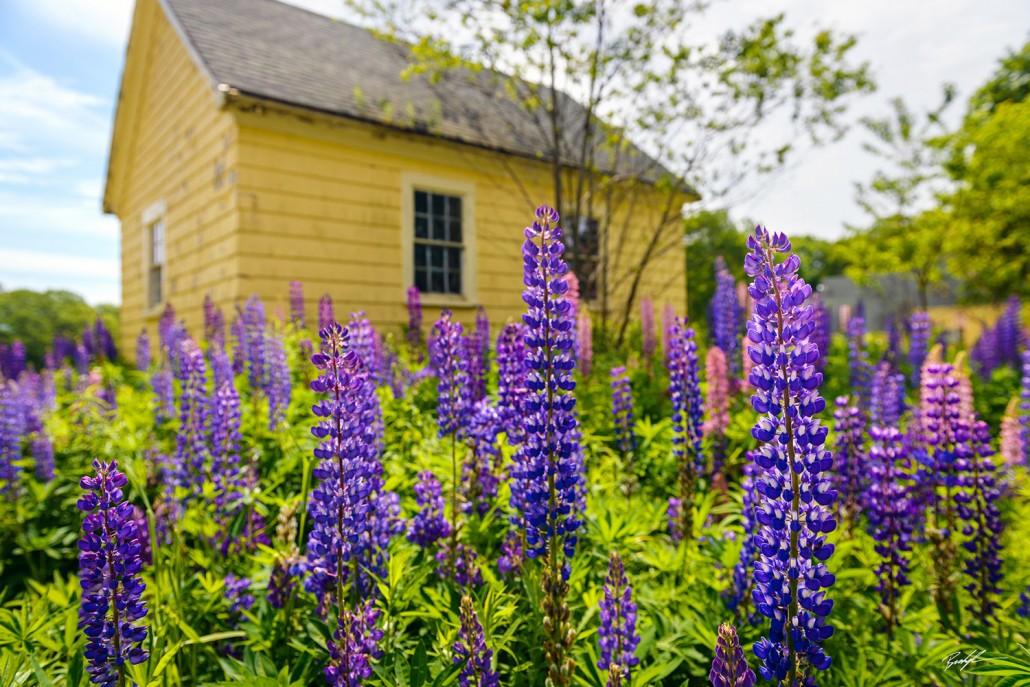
(439, 244)
(155, 274)
(155, 254)
(586, 260)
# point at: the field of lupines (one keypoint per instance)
(521, 503)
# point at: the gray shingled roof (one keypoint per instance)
(278, 52)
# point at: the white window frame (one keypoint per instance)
(466, 190)
(155, 213)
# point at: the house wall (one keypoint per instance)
(182, 152)
(321, 201)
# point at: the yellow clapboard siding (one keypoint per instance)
(259, 197)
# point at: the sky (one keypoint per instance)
(61, 63)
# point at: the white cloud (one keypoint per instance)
(102, 21)
(35, 262)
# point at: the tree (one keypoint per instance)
(709, 234)
(34, 318)
(903, 237)
(990, 206)
(614, 86)
(990, 211)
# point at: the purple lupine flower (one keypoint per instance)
(81, 358)
(860, 369)
(849, 457)
(479, 472)
(887, 395)
(109, 566)
(984, 354)
(617, 637)
(471, 652)
(450, 358)
(254, 348)
(892, 515)
(821, 334)
(214, 322)
(221, 366)
(237, 593)
(11, 430)
(725, 315)
(43, 454)
(354, 645)
(978, 507)
(280, 582)
(143, 534)
(342, 546)
(743, 582)
(12, 360)
(918, 343)
(944, 448)
(226, 471)
(1024, 604)
(795, 512)
(687, 415)
(479, 355)
(1024, 405)
(648, 335)
(730, 668)
(893, 340)
(461, 566)
(622, 411)
(668, 318)
(166, 331)
(297, 304)
(511, 378)
(278, 385)
(717, 404)
(585, 342)
(510, 560)
(363, 342)
(415, 320)
(191, 448)
(430, 523)
(325, 311)
(143, 351)
(162, 384)
(547, 472)
(1009, 336)
(105, 346)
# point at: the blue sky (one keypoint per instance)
(61, 61)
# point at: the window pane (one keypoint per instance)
(439, 204)
(439, 229)
(155, 285)
(436, 282)
(421, 279)
(420, 255)
(454, 230)
(157, 243)
(436, 256)
(421, 201)
(454, 281)
(421, 227)
(454, 207)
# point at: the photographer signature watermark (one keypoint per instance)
(962, 660)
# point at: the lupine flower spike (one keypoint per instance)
(795, 511)
(730, 668)
(617, 636)
(725, 315)
(547, 472)
(622, 412)
(471, 652)
(687, 413)
(892, 516)
(109, 565)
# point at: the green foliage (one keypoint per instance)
(709, 234)
(679, 589)
(34, 318)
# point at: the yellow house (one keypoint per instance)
(256, 143)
